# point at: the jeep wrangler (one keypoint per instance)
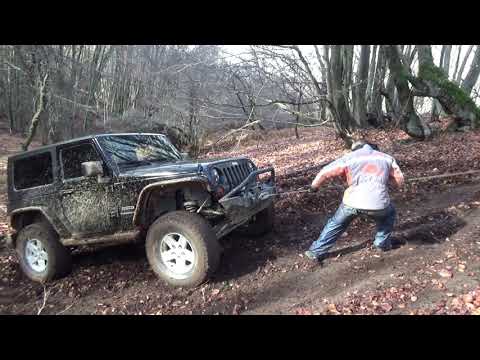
(112, 188)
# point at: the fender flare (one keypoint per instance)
(40, 210)
(144, 194)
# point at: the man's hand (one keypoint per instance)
(312, 189)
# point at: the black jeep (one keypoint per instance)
(122, 187)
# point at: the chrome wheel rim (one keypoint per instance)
(177, 256)
(36, 255)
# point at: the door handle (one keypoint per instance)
(66, 192)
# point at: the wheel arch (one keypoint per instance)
(21, 218)
(172, 186)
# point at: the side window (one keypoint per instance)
(33, 171)
(73, 157)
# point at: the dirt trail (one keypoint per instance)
(361, 269)
(438, 221)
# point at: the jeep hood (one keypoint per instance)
(172, 169)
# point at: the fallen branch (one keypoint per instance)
(68, 307)
(45, 297)
(444, 175)
(236, 130)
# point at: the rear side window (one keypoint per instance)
(73, 157)
(33, 171)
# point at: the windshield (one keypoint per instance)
(134, 150)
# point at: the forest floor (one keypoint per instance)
(435, 271)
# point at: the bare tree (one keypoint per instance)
(473, 73)
(409, 121)
(42, 100)
(445, 65)
(458, 80)
(360, 108)
(432, 81)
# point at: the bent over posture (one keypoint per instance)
(367, 172)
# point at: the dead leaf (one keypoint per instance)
(303, 311)
(215, 292)
(235, 309)
(445, 273)
(333, 308)
(387, 307)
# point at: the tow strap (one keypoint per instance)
(409, 180)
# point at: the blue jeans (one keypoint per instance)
(343, 217)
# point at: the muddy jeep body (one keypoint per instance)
(109, 202)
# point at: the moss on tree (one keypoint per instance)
(437, 77)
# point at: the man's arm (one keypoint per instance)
(396, 175)
(337, 168)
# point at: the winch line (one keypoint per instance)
(409, 180)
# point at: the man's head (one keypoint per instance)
(360, 143)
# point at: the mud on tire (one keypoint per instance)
(202, 241)
(43, 237)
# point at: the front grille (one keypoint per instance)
(235, 172)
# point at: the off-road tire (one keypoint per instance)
(59, 260)
(260, 224)
(202, 238)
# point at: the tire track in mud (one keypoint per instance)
(336, 279)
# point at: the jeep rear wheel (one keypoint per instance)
(182, 249)
(41, 255)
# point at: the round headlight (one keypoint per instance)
(215, 177)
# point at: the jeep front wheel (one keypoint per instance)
(182, 249)
(41, 255)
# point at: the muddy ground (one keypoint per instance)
(435, 270)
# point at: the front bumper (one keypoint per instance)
(247, 199)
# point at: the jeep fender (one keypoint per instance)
(37, 211)
(147, 190)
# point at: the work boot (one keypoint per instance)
(310, 255)
(383, 248)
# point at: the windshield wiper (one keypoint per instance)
(134, 163)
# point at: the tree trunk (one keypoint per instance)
(347, 55)
(297, 117)
(408, 118)
(336, 97)
(375, 106)
(42, 103)
(458, 80)
(340, 106)
(360, 108)
(433, 82)
(457, 62)
(445, 65)
(473, 73)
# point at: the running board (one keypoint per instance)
(128, 236)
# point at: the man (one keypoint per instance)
(367, 172)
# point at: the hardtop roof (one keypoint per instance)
(72, 141)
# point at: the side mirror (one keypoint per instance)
(92, 168)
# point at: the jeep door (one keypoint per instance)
(86, 201)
